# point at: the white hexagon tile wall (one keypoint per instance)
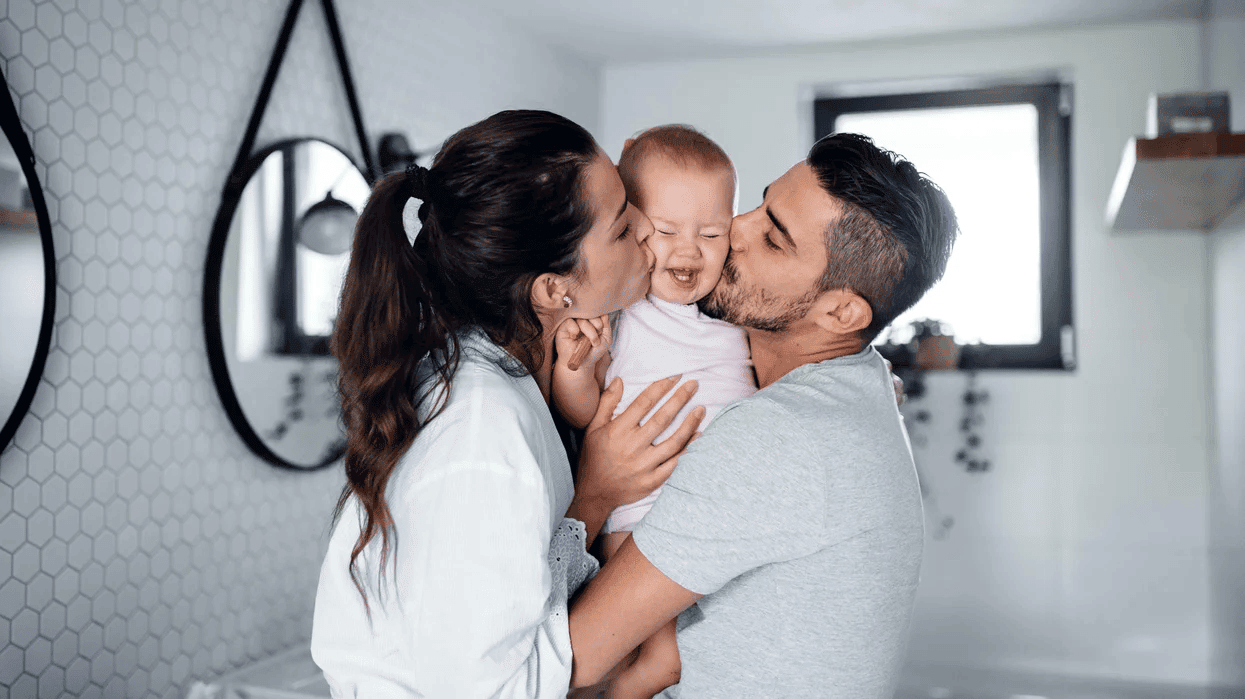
(142, 546)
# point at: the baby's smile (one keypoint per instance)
(690, 207)
(684, 277)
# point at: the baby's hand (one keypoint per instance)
(574, 334)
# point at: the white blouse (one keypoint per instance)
(473, 602)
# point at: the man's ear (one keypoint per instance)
(627, 144)
(842, 312)
(548, 292)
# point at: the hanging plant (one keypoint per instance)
(969, 455)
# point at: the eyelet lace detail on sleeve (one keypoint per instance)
(569, 563)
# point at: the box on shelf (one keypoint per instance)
(1187, 112)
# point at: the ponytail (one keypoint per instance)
(386, 325)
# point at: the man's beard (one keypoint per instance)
(750, 307)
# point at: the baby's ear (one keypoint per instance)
(627, 144)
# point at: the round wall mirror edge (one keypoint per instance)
(235, 187)
(17, 136)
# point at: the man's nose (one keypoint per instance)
(737, 233)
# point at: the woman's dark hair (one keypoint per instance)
(502, 204)
(896, 230)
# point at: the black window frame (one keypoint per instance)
(1056, 348)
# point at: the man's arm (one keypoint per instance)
(627, 601)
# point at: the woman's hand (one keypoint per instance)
(619, 463)
(575, 331)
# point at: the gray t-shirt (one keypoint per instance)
(798, 516)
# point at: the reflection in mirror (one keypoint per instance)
(23, 291)
(282, 263)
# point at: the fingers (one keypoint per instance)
(581, 352)
(603, 324)
(663, 471)
(608, 403)
(569, 328)
(670, 410)
(675, 445)
(648, 398)
(671, 447)
(589, 330)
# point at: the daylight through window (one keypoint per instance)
(1000, 154)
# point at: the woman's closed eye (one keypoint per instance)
(626, 231)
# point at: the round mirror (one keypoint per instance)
(27, 275)
(275, 265)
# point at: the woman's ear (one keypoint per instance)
(843, 312)
(549, 293)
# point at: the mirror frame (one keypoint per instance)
(12, 126)
(235, 185)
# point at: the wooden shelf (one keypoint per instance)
(1178, 182)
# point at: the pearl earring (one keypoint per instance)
(566, 301)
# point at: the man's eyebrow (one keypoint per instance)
(781, 228)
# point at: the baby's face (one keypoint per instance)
(691, 210)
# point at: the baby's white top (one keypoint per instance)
(655, 339)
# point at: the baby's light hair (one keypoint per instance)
(681, 144)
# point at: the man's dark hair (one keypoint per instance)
(894, 235)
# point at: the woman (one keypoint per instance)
(450, 562)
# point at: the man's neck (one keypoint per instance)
(776, 354)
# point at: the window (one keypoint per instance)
(1002, 156)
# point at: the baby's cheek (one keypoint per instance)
(661, 247)
(715, 251)
(708, 279)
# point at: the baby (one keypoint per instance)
(685, 184)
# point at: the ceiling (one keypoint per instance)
(630, 30)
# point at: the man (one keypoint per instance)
(790, 535)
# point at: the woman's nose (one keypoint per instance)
(643, 229)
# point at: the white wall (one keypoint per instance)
(1085, 550)
(1227, 504)
(1225, 51)
(142, 546)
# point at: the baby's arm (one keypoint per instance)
(576, 392)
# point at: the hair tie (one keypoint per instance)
(416, 182)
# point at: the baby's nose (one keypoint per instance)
(687, 247)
